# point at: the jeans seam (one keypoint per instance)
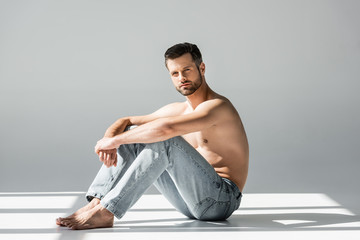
(112, 205)
(205, 210)
(228, 203)
(194, 162)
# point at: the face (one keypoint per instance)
(185, 75)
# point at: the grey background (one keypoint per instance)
(68, 69)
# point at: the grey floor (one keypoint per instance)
(31, 215)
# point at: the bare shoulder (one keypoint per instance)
(218, 105)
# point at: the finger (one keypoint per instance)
(112, 159)
(107, 160)
(114, 156)
(115, 159)
(104, 157)
(101, 156)
(97, 149)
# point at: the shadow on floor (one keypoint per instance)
(248, 222)
(251, 221)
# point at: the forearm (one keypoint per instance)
(155, 131)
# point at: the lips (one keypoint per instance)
(185, 84)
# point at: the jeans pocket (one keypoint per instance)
(210, 209)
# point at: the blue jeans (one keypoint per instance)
(177, 170)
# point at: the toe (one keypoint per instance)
(64, 223)
(58, 222)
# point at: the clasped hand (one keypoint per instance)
(106, 150)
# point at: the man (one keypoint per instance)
(195, 153)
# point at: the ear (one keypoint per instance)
(202, 68)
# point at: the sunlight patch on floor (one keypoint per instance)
(43, 236)
(281, 216)
(40, 201)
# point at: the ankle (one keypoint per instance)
(95, 201)
(105, 212)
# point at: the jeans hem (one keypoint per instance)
(90, 195)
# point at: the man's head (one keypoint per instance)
(186, 68)
(182, 48)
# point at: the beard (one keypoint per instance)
(191, 88)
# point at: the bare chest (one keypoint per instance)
(199, 139)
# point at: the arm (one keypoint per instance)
(119, 125)
(204, 116)
(108, 156)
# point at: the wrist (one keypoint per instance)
(116, 141)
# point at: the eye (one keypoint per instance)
(174, 73)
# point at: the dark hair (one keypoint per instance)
(180, 49)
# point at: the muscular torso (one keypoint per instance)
(224, 145)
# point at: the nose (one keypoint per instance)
(182, 77)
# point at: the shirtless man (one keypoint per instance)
(195, 153)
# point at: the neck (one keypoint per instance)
(202, 94)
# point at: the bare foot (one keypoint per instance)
(90, 205)
(97, 217)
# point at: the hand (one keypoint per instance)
(106, 143)
(108, 157)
